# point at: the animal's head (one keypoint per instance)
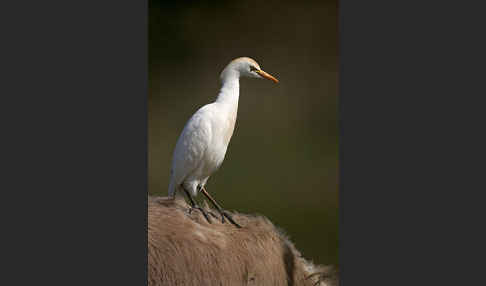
(245, 67)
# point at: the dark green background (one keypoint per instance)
(282, 161)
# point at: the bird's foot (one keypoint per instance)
(225, 214)
(208, 209)
(213, 215)
(202, 211)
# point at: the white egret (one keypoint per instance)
(202, 145)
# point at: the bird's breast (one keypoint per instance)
(228, 130)
(222, 133)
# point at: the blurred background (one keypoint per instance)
(282, 161)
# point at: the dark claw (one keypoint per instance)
(222, 212)
(202, 211)
(212, 214)
(228, 216)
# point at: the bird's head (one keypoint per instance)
(246, 67)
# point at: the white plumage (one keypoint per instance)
(202, 145)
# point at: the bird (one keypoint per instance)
(203, 142)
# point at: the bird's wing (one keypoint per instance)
(191, 145)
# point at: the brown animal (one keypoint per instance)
(184, 249)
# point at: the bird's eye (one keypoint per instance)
(252, 68)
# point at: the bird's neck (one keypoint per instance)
(230, 92)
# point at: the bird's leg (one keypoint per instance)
(194, 205)
(209, 211)
(220, 210)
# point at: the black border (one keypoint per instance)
(75, 208)
(409, 123)
(75, 143)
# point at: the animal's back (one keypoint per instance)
(184, 249)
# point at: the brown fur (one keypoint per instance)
(184, 249)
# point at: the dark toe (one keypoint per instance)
(228, 216)
(205, 214)
(213, 215)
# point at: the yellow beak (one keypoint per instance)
(266, 75)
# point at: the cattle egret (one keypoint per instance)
(202, 145)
